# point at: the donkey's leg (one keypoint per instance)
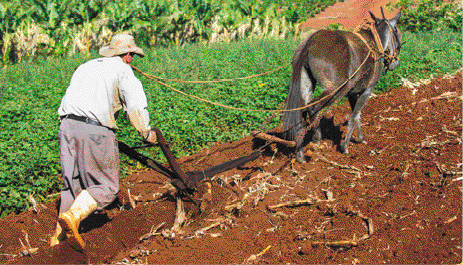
(307, 86)
(300, 157)
(312, 117)
(355, 121)
(353, 102)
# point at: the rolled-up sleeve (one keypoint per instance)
(134, 100)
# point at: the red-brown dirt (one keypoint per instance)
(396, 199)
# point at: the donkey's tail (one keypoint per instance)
(292, 120)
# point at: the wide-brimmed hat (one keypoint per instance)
(121, 44)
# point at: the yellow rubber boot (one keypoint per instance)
(58, 236)
(82, 207)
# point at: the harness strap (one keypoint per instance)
(368, 26)
(379, 49)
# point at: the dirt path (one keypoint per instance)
(397, 199)
(350, 13)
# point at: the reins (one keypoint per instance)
(251, 110)
(371, 50)
(218, 80)
(366, 25)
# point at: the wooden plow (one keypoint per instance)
(184, 182)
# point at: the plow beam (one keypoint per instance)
(272, 138)
(182, 181)
(148, 162)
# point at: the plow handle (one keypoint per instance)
(123, 148)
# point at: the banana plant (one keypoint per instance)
(198, 19)
(84, 11)
(121, 14)
(49, 13)
(12, 13)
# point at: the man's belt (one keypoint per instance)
(82, 119)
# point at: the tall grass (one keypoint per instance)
(30, 94)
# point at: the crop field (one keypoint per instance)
(31, 93)
(394, 199)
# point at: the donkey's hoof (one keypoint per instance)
(358, 141)
(344, 148)
(300, 157)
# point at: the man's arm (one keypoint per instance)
(136, 105)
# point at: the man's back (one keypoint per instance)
(94, 90)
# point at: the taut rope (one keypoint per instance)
(218, 80)
(252, 110)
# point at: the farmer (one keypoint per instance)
(99, 89)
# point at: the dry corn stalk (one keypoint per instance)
(132, 202)
(153, 232)
(180, 216)
(308, 201)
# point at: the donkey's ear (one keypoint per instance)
(393, 21)
(373, 16)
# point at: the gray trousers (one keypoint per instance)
(89, 160)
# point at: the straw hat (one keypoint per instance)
(121, 44)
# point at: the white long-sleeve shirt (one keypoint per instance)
(100, 88)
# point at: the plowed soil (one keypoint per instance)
(396, 199)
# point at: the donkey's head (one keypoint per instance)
(390, 38)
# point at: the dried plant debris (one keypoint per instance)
(297, 203)
(255, 258)
(153, 232)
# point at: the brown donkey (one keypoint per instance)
(344, 64)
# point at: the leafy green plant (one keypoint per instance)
(425, 15)
(424, 55)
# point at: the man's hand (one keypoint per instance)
(151, 137)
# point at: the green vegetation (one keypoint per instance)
(425, 15)
(425, 55)
(64, 27)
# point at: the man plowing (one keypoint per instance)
(99, 89)
(89, 154)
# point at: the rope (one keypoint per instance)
(366, 25)
(245, 109)
(219, 80)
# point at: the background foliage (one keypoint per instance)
(64, 27)
(424, 15)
